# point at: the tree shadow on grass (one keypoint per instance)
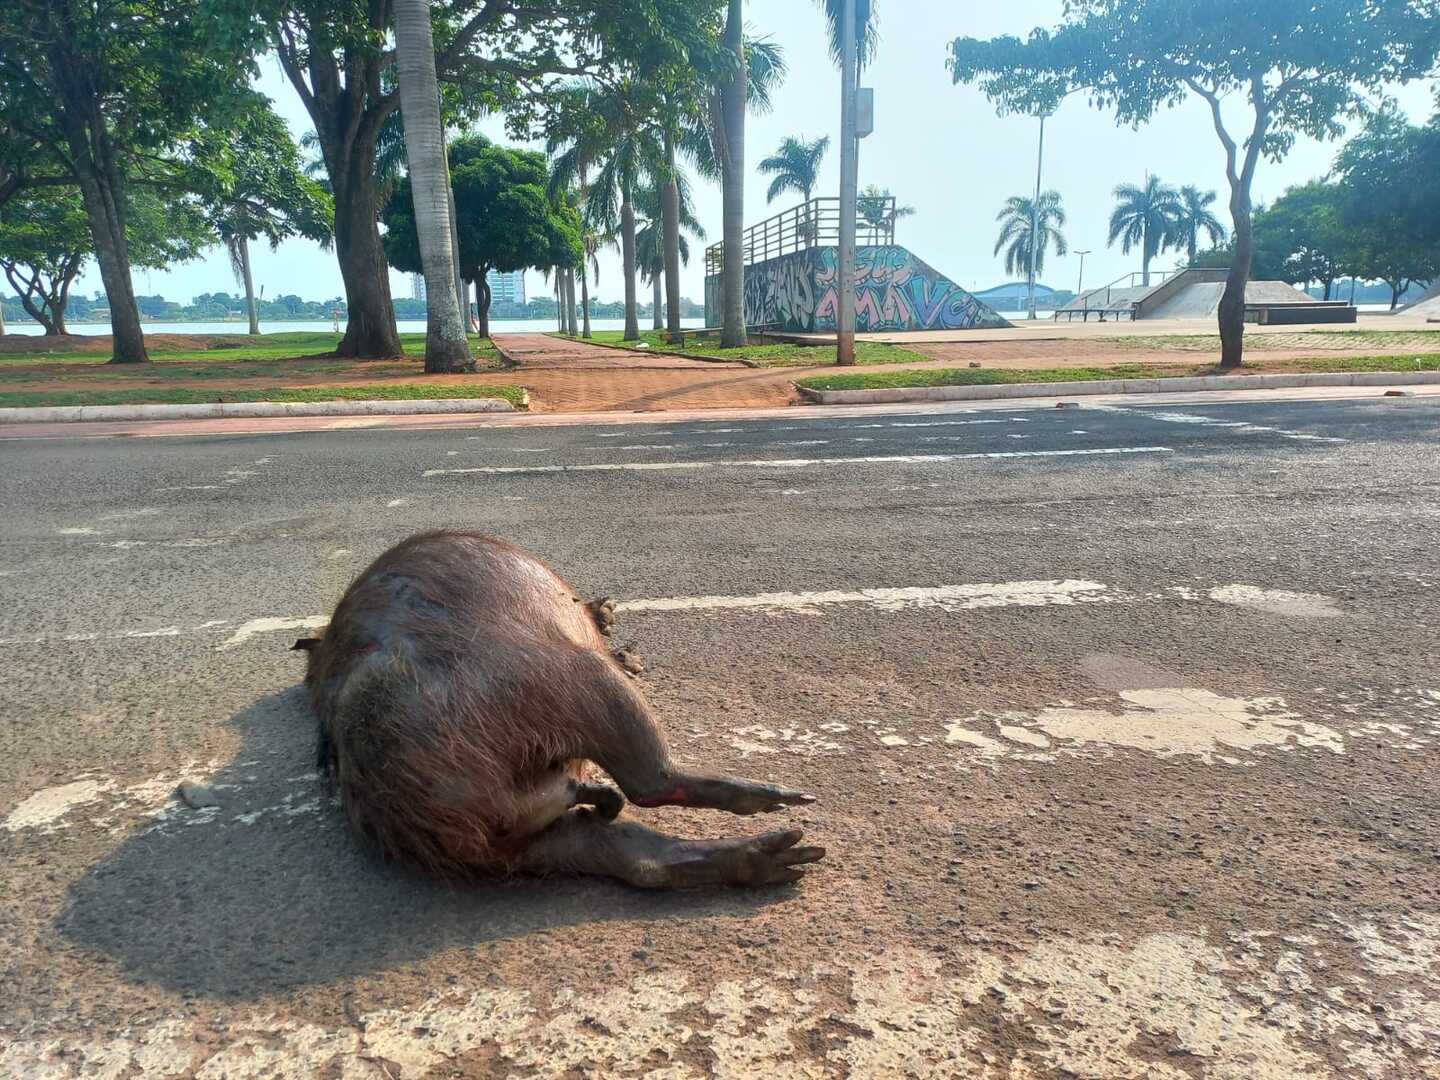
(270, 891)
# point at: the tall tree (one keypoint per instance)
(490, 54)
(264, 193)
(1300, 237)
(507, 218)
(1048, 217)
(1145, 218)
(650, 239)
(795, 166)
(113, 92)
(447, 347)
(1194, 217)
(1389, 202)
(1301, 67)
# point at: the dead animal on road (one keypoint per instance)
(463, 690)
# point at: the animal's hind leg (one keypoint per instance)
(581, 843)
(602, 610)
(616, 731)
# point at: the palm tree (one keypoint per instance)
(1144, 218)
(795, 165)
(447, 348)
(607, 140)
(650, 239)
(868, 34)
(1194, 218)
(872, 206)
(740, 79)
(1048, 216)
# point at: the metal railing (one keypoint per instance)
(811, 224)
(1100, 302)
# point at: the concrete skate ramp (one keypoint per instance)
(1202, 299)
(1428, 305)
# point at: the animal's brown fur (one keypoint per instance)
(459, 689)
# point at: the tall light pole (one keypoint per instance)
(1080, 285)
(1035, 216)
(849, 185)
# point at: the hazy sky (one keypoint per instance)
(938, 147)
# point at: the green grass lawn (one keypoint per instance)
(202, 396)
(866, 352)
(240, 351)
(888, 380)
(1320, 339)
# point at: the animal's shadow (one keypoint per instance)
(270, 891)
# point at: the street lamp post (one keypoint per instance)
(849, 184)
(1035, 216)
(1080, 285)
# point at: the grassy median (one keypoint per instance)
(204, 396)
(890, 380)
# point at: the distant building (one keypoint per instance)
(417, 287)
(506, 288)
(1015, 296)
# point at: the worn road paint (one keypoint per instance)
(1225, 1002)
(800, 463)
(950, 597)
(1167, 722)
(1240, 427)
(1277, 601)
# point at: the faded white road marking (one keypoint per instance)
(1167, 722)
(1241, 427)
(182, 542)
(396, 502)
(340, 553)
(800, 463)
(246, 630)
(1235, 1006)
(950, 597)
(1277, 601)
(47, 806)
(80, 532)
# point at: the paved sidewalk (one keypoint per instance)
(576, 376)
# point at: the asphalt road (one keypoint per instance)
(1123, 723)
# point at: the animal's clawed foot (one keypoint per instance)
(750, 797)
(605, 799)
(769, 859)
(602, 610)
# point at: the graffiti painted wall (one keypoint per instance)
(893, 291)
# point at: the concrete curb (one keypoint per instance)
(995, 391)
(245, 409)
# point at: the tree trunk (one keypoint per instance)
(559, 302)
(447, 348)
(103, 206)
(1329, 286)
(732, 170)
(1145, 258)
(658, 321)
(1232, 302)
(243, 243)
(370, 330)
(2, 316)
(627, 244)
(482, 305)
(572, 318)
(670, 213)
(585, 301)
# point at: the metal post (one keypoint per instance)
(849, 185)
(1080, 285)
(1035, 217)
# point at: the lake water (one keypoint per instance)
(406, 326)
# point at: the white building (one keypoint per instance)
(417, 287)
(506, 288)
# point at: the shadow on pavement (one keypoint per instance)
(271, 892)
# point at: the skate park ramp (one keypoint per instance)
(1428, 305)
(1195, 294)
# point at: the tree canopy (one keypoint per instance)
(506, 215)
